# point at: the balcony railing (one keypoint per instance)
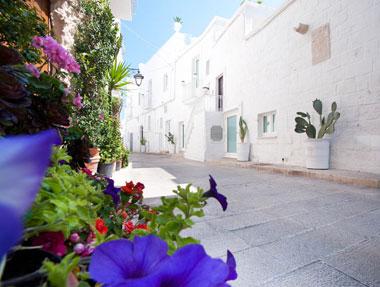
(213, 103)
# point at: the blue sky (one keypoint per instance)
(152, 23)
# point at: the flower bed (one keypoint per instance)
(63, 224)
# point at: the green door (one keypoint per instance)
(231, 134)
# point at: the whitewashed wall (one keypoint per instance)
(272, 70)
(268, 66)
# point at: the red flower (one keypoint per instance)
(87, 171)
(142, 226)
(128, 187)
(128, 226)
(140, 187)
(124, 214)
(101, 226)
(53, 242)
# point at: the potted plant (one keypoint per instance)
(317, 147)
(108, 163)
(171, 142)
(243, 147)
(177, 23)
(142, 145)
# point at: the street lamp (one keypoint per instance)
(138, 77)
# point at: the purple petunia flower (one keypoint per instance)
(144, 262)
(23, 162)
(128, 262)
(113, 191)
(33, 70)
(213, 192)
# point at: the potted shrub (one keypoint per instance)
(142, 145)
(243, 147)
(170, 138)
(108, 162)
(177, 23)
(317, 147)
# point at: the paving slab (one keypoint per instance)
(217, 245)
(239, 221)
(269, 232)
(284, 231)
(315, 275)
(361, 262)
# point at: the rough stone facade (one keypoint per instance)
(64, 20)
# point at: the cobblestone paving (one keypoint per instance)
(285, 231)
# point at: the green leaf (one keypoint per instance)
(301, 121)
(334, 106)
(302, 114)
(311, 131)
(317, 105)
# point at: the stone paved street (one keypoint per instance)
(283, 231)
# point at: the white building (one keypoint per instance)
(255, 65)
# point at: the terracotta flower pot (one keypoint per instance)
(93, 160)
(94, 151)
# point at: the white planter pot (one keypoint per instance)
(172, 148)
(243, 151)
(177, 26)
(317, 153)
(142, 148)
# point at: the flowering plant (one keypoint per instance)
(145, 262)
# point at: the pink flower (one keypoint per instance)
(74, 237)
(66, 91)
(37, 42)
(77, 101)
(88, 251)
(53, 242)
(79, 248)
(33, 70)
(101, 117)
(57, 54)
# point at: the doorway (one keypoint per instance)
(231, 134)
(220, 90)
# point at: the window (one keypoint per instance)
(150, 89)
(149, 125)
(220, 90)
(165, 82)
(196, 72)
(182, 135)
(161, 123)
(208, 67)
(267, 124)
(141, 99)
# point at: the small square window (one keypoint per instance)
(267, 124)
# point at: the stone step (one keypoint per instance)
(335, 175)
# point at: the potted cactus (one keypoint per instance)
(177, 23)
(170, 138)
(243, 147)
(317, 147)
(142, 145)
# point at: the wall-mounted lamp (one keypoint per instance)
(138, 77)
(301, 28)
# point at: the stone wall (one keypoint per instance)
(64, 20)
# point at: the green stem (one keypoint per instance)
(2, 266)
